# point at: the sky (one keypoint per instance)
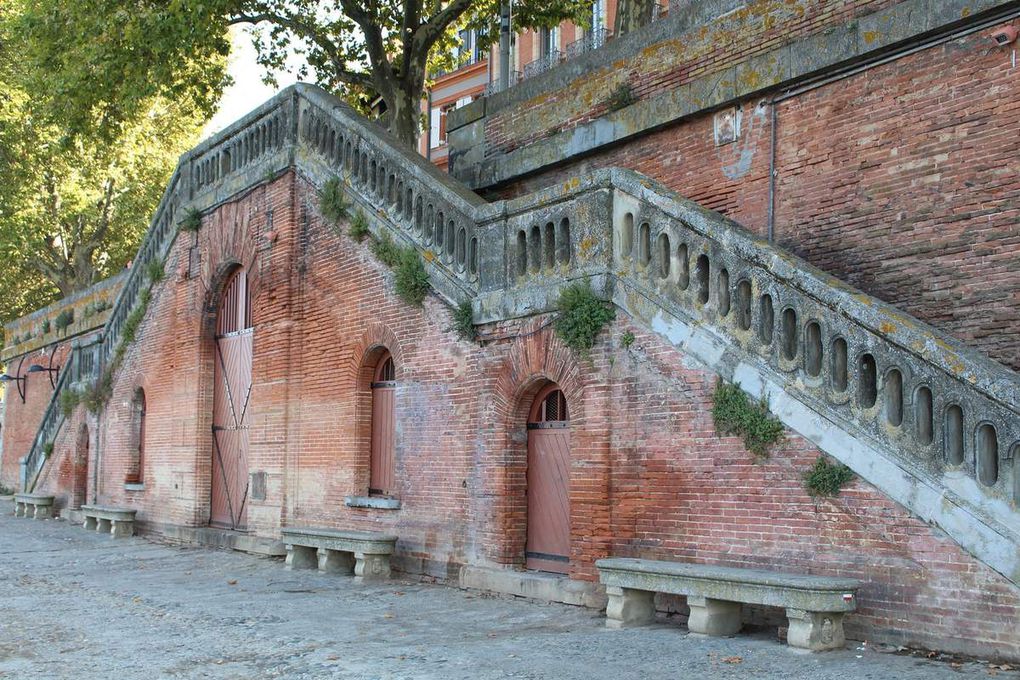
(248, 90)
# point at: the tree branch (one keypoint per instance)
(343, 73)
(429, 32)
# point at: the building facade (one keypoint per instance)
(280, 373)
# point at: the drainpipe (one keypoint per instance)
(772, 172)
(428, 128)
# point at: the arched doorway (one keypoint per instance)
(231, 394)
(382, 478)
(548, 542)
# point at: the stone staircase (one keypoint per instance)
(932, 424)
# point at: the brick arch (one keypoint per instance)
(535, 359)
(375, 341)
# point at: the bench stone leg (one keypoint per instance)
(301, 557)
(815, 631)
(103, 526)
(89, 524)
(335, 562)
(122, 528)
(628, 607)
(19, 509)
(371, 567)
(713, 617)
(43, 512)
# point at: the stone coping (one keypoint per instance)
(33, 499)
(372, 502)
(753, 586)
(338, 533)
(108, 512)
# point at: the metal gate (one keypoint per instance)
(232, 391)
(382, 477)
(548, 544)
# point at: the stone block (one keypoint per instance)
(714, 617)
(815, 631)
(628, 607)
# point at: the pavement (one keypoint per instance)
(74, 604)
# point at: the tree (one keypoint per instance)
(349, 47)
(74, 204)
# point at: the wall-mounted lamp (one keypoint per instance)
(36, 368)
(21, 389)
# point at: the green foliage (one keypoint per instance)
(6, 490)
(412, 281)
(332, 204)
(69, 400)
(622, 97)
(96, 396)
(48, 449)
(45, 326)
(359, 227)
(734, 413)
(582, 316)
(108, 56)
(154, 271)
(386, 250)
(827, 479)
(63, 320)
(627, 339)
(84, 158)
(464, 321)
(192, 221)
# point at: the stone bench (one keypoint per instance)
(365, 553)
(119, 522)
(32, 505)
(814, 604)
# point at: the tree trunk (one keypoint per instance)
(632, 15)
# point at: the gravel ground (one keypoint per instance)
(77, 605)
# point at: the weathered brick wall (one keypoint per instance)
(900, 180)
(649, 476)
(21, 420)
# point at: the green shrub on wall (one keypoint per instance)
(464, 321)
(827, 479)
(734, 413)
(582, 316)
(412, 281)
(192, 221)
(63, 320)
(331, 200)
(359, 227)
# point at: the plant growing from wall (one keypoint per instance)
(192, 221)
(386, 250)
(734, 413)
(331, 200)
(621, 97)
(69, 400)
(582, 316)
(464, 321)
(45, 326)
(359, 227)
(627, 339)
(154, 270)
(6, 490)
(48, 449)
(63, 320)
(412, 281)
(827, 479)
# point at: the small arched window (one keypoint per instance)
(382, 453)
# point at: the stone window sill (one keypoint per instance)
(133, 486)
(376, 502)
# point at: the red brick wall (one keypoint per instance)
(21, 421)
(901, 181)
(649, 476)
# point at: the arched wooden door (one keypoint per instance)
(231, 394)
(382, 477)
(548, 544)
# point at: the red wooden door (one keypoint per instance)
(382, 479)
(548, 544)
(232, 391)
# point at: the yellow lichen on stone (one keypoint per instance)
(870, 36)
(587, 243)
(428, 255)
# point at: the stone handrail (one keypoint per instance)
(928, 421)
